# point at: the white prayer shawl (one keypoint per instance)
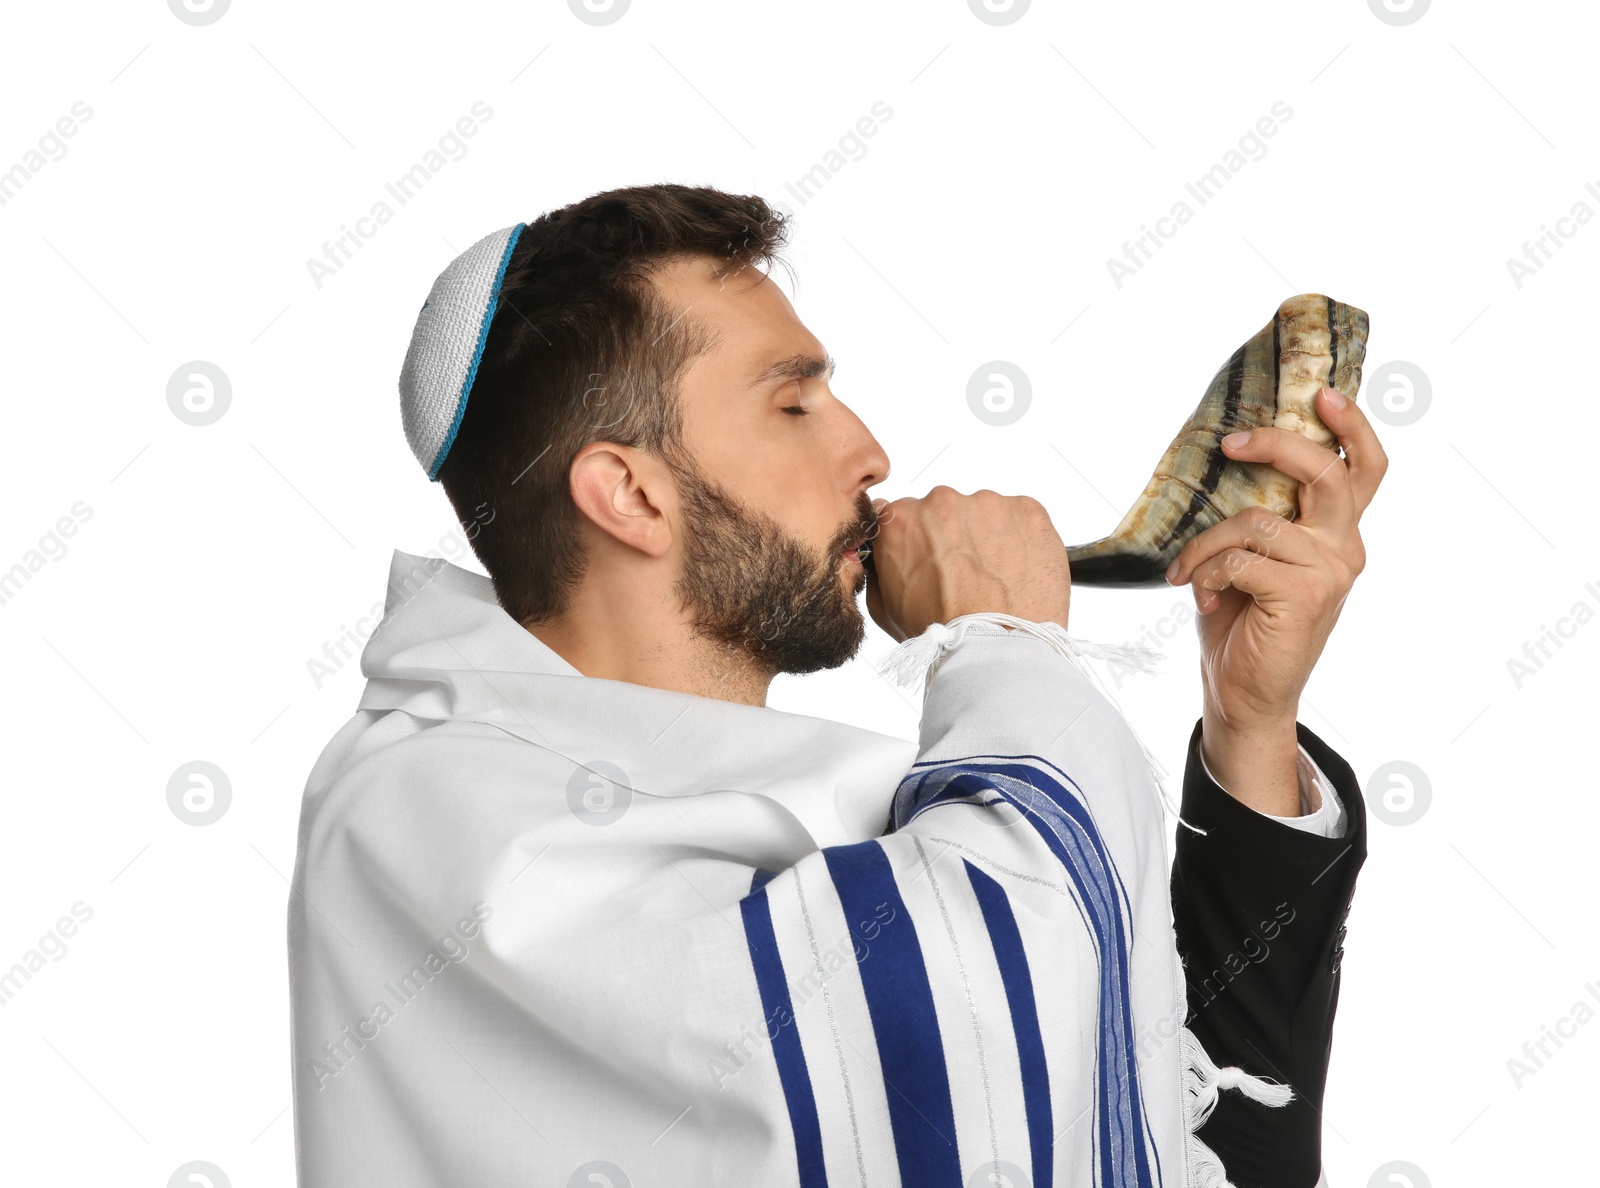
(546, 928)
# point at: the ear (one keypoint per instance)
(620, 490)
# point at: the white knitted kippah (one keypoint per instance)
(447, 345)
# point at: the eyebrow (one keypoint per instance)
(796, 367)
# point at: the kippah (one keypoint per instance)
(447, 345)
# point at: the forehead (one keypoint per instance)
(751, 318)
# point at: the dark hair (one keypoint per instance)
(582, 348)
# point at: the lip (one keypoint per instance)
(853, 555)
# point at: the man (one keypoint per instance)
(573, 906)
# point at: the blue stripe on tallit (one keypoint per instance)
(778, 1011)
(1053, 804)
(1012, 961)
(900, 1001)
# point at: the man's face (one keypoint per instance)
(777, 497)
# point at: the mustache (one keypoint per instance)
(864, 527)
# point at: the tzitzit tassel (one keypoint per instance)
(1203, 1081)
(915, 657)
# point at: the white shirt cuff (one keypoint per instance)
(1321, 811)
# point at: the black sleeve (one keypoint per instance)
(1259, 911)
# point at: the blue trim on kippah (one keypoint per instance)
(477, 354)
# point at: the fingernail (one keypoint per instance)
(1334, 397)
(1234, 440)
(1172, 570)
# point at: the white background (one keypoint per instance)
(976, 226)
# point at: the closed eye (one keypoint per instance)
(795, 410)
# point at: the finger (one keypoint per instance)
(1206, 603)
(1255, 529)
(876, 609)
(1324, 479)
(1263, 578)
(883, 516)
(1364, 456)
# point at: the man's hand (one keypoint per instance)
(1269, 591)
(949, 554)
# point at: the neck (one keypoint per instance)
(618, 639)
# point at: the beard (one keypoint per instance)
(754, 589)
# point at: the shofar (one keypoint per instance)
(1311, 343)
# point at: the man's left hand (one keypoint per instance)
(1269, 591)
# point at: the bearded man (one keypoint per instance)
(573, 905)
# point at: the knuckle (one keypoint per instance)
(1259, 519)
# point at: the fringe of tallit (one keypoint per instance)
(920, 655)
(1203, 1081)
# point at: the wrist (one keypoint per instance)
(1255, 763)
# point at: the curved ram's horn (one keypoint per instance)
(1313, 341)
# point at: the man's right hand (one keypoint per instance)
(949, 554)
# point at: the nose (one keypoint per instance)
(867, 463)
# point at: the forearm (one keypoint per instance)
(1256, 764)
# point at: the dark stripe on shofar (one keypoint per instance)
(1218, 460)
(1333, 342)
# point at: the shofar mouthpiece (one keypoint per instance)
(1311, 343)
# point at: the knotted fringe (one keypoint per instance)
(1203, 1081)
(922, 653)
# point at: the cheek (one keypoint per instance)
(805, 510)
(784, 469)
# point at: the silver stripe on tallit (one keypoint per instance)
(833, 1026)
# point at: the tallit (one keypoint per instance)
(550, 929)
